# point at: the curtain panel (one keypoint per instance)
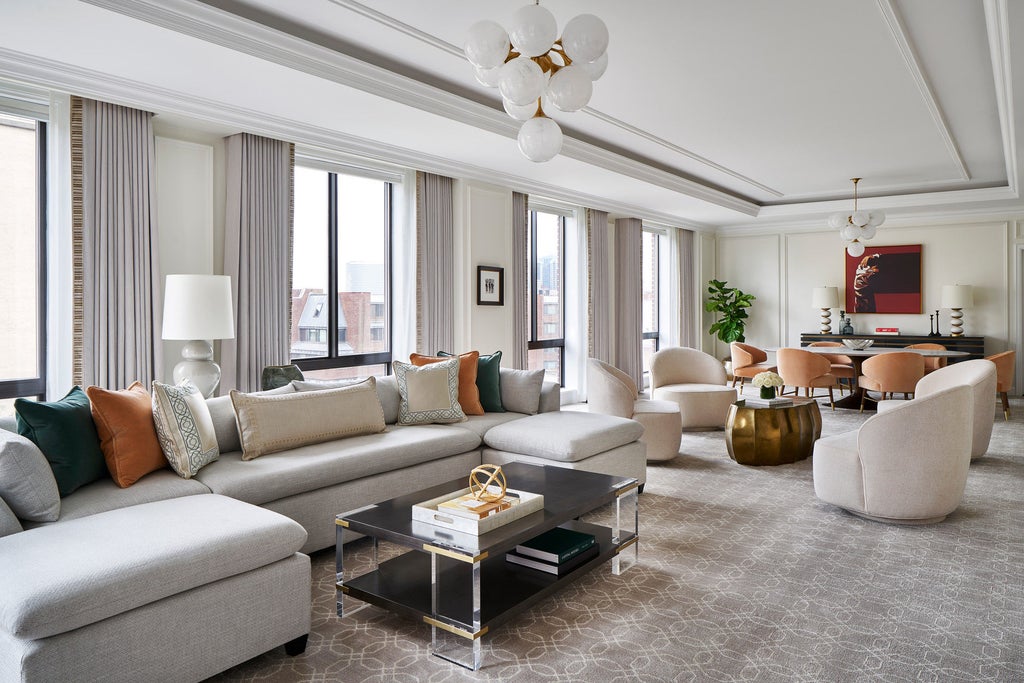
(519, 282)
(116, 271)
(689, 316)
(258, 256)
(599, 304)
(628, 312)
(435, 264)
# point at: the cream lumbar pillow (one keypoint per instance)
(184, 427)
(429, 393)
(268, 424)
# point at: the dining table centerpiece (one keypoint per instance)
(767, 382)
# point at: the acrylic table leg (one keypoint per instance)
(627, 521)
(448, 637)
(339, 572)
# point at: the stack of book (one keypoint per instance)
(558, 551)
(887, 330)
(470, 507)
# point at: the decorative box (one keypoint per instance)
(428, 513)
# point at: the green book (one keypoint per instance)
(557, 545)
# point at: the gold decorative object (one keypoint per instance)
(478, 488)
(772, 436)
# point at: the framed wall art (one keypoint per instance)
(884, 280)
(490, 286)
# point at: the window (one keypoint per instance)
(341, 275)
(23, 277)
(547, 291)
(650, 296)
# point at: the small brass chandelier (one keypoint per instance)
(856, 227)
(533, 68)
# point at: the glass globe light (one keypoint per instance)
(594, 69)
(533, 30)
(859, 218)
(584, 38)
(570, 89)
(855, 249)
(868, 232)
(849, 232)
(540, 139)
(488, 77)
(837, 221)
(876, 218)
(486, 44)
(521, 81)
(523, 112)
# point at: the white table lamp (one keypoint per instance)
(198, 308)
(825, 298)
(957, 298)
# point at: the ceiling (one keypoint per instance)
(720, 115)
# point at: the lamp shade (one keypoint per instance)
(957, 296)
(825, 297)
(198, 307)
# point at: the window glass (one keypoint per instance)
(547, 290)
(362, 270)
(309, 264)
(650, 297)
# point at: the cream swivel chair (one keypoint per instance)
(891, 373)
(696, 382)
(1004, 377)
(980, 376)
(610, 391)
(907, 465)
(748, 361)
(799, 368)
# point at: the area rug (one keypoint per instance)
(743, 576)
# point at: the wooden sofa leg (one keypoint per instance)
(1006, 405)
(297, 646)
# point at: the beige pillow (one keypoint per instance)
(268, 424)
(429, 393)
(184, 427)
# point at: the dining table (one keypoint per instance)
(858, 355)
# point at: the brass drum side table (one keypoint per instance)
(762, 435)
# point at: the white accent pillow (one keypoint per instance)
(429, 393)
(184, 427)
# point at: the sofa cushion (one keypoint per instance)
(520, 390)
(184, 427)
(26, 480)
(124, 421)
(481, 424)
(131, 557)
(66, 434)
(567, 436)
(429, 393)
(387, 391)
(270, 424)
(222, 413)
(488, 381)
(307, 468)
(9, 523)
(469, 394)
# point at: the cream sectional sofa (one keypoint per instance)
(169, 563)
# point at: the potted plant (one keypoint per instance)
(730, 303)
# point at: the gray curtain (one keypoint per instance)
(435, 264)
(519, 282)
(628, 238)
(116, 270)
(599, 305)
(689, 329)
(258, 257)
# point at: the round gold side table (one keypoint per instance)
(757, 435)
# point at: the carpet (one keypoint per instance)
(744, 575)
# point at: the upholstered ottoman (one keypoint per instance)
(577, 440)
(700, 405)
(663, 428)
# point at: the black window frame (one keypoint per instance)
(656, 333)
(533, 344)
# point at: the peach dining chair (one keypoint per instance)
(842, 366)
(1004, 377)
(934, 363)
(748, 361)
(800, 368)
(891, 373)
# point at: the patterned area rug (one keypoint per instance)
(743, 576)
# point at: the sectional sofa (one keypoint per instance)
(178, 579)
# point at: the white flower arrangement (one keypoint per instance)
(767, 379)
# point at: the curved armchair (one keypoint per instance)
(696, 382)
(842, 365)
(1004, 377)
(907, 465)
(748, 361)
(610, 391)
(980, 376)
(891, 373)
(800, 368)
(935, 362)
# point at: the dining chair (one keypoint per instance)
(800, 368)
(933, 363)
(748, 361)
(891, 373)
(1004, 377)
(842, 365)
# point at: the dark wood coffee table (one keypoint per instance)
(460, 584)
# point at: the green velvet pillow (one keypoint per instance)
(487, 381)
(66, 434)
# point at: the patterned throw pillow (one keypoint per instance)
(184, 427)
(429, 393)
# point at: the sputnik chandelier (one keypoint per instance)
(856, 227)
(534, 69)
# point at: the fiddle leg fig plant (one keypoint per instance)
(731, 304)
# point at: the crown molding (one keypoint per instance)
(997, 26)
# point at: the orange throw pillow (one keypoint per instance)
(469, 394)
(124, 422)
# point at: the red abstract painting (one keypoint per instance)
(884, 280)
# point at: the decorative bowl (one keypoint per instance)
(858, 343)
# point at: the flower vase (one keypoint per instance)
(767, 392)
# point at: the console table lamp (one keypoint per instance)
(825, 298)
(957, 298)
(198, 308)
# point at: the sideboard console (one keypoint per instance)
(972, 345)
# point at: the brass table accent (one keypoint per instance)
(757, 435)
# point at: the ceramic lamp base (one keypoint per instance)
(956, 323)
(198, 367)
(826, 321)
